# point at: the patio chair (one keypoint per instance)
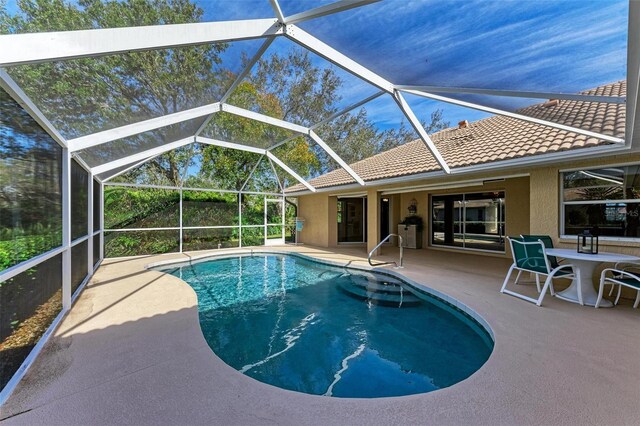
(531, 257)
(548, 243)
(623, 275)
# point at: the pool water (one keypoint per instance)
(309, 327)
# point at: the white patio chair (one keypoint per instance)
(532, 257)
(623, 274)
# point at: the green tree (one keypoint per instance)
(88, 95)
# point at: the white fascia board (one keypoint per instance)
(230, 145)
(415, 123)
(517, 94)
(328, 9)
(241, 112)
(20, 49)
(318, 47)
(632, 133)
(287, 169)
(497, 111)
(336, 157)
(277, 10)
(141, 155)
(110, 135)
(12, 88)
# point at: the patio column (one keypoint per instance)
(373, 227)
(544, 202)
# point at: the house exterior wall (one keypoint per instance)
(314, 209)
(532, 205)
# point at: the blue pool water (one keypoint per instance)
(313, 328)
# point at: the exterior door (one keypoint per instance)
(352, 220)
(274, 226)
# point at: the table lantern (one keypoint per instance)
(587, 242)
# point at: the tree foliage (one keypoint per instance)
(87, 95)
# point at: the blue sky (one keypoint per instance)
(563, 46)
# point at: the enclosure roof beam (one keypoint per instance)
(20, 49)
(12, 88)
(255, 167)
(110, 135)
(328, 9)
(275, 173)
(336, 157)
(517, 94)
(247, 69)
(132, 166)
(277, 10)
(347, 109)
(322, 49)
(241, 112)
(272, 157)
(287, 169)
(497, 111)
(239, 79)
(332, 117)
(415, 123)
(141, 155)
(230, 145)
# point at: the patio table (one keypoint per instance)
(586, 263)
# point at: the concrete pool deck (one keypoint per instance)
(131, 352)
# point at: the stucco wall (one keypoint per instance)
(516, 205)
(315, 211)
(532, 204)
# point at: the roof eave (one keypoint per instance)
(502, 165)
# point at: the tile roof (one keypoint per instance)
(493, 139)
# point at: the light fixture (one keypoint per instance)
(413, 207)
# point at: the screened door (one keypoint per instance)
(273, 222)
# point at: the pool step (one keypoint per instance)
(383, 290)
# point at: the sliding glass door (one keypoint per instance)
(472, 221)
(352, 220)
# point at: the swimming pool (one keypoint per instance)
(310, 327)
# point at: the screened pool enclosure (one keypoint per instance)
(128, 130)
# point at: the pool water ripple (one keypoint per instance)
(310, 327)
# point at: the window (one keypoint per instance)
(471, 221)
(605, 201)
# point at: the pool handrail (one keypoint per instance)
(388, 263)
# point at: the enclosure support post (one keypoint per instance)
(283, 219)
(90, 195)
(101, 221)
(266, 235)
(180, 219)
(66, 229)
(240, 219)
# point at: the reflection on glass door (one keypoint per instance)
(352, 220)
(474, 221)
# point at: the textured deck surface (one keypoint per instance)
(131, 352)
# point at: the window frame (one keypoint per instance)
(464, 193)
(562, 203)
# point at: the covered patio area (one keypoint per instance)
(132, 352)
